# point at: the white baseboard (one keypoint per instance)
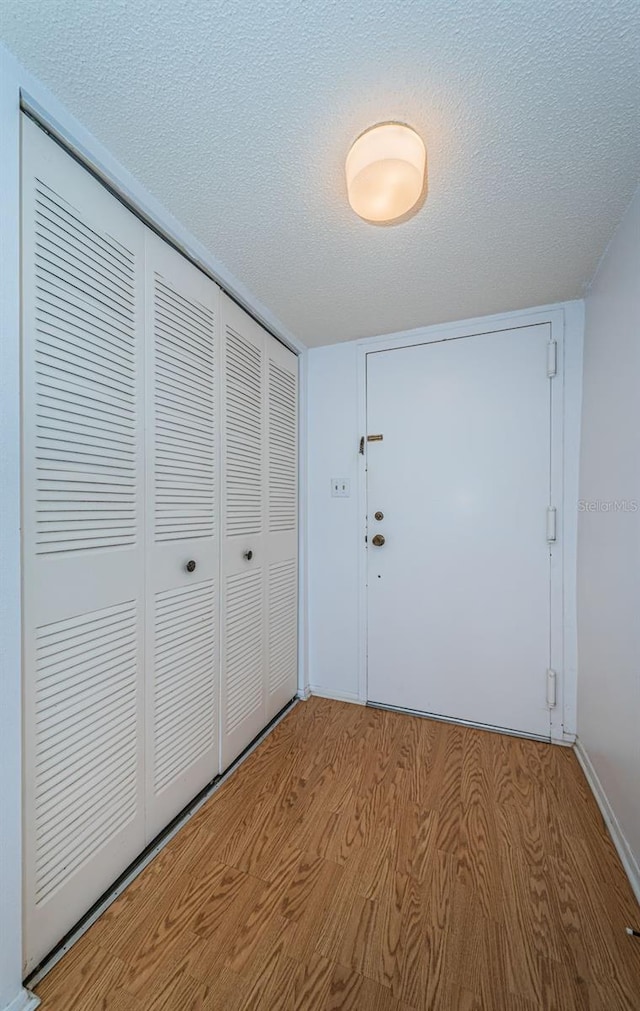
(23, 1001)
(304, 693)
(565, 741)
(627, 858)
(325, 693)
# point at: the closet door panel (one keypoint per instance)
(260, 536)
(83, 542)
(182, 532)
(282, 642)
(243, 536)
(244, 650)
(282, 513)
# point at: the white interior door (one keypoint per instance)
(182, 530)
(259, 533)
(83, 545)
(458, 594)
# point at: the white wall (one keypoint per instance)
(336, 525)
(609, 541)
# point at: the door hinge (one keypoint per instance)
(551, 688)
(361, 449)
(551, 525)
(552, 358)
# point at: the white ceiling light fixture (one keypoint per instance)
(386, 175)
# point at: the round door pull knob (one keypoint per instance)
(377, 541)
(190, 566)
(248, 555)
(379, 516)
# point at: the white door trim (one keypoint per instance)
(566, 322)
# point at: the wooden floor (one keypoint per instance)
(372, 860)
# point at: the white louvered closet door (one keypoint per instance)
(281, 548)
(182, 532)
(259, 533)
(83, 539)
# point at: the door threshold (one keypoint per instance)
(147, 855)
(546, 739)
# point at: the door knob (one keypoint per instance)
(379, 516)
(377, 541)
(248, 555)
(190, 566)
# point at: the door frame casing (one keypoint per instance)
(566, 328)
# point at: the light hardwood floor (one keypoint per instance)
(372, 860)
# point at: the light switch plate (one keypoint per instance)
(340, 487)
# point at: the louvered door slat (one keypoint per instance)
(184, 389)
(74, 372)
(83, 539)
(63, 445)
(105, 246)
(243, 435)
(282, 449)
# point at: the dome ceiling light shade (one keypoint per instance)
(385, 171)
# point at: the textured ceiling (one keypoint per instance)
(238, 116)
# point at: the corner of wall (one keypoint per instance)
(608, 552)
(627, 857)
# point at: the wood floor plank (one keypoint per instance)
(88, 983)
(266, 979)
(310, 983)
(345, 990)
(145, 949)
(323, 918)
(260, 914)
(371, 860)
